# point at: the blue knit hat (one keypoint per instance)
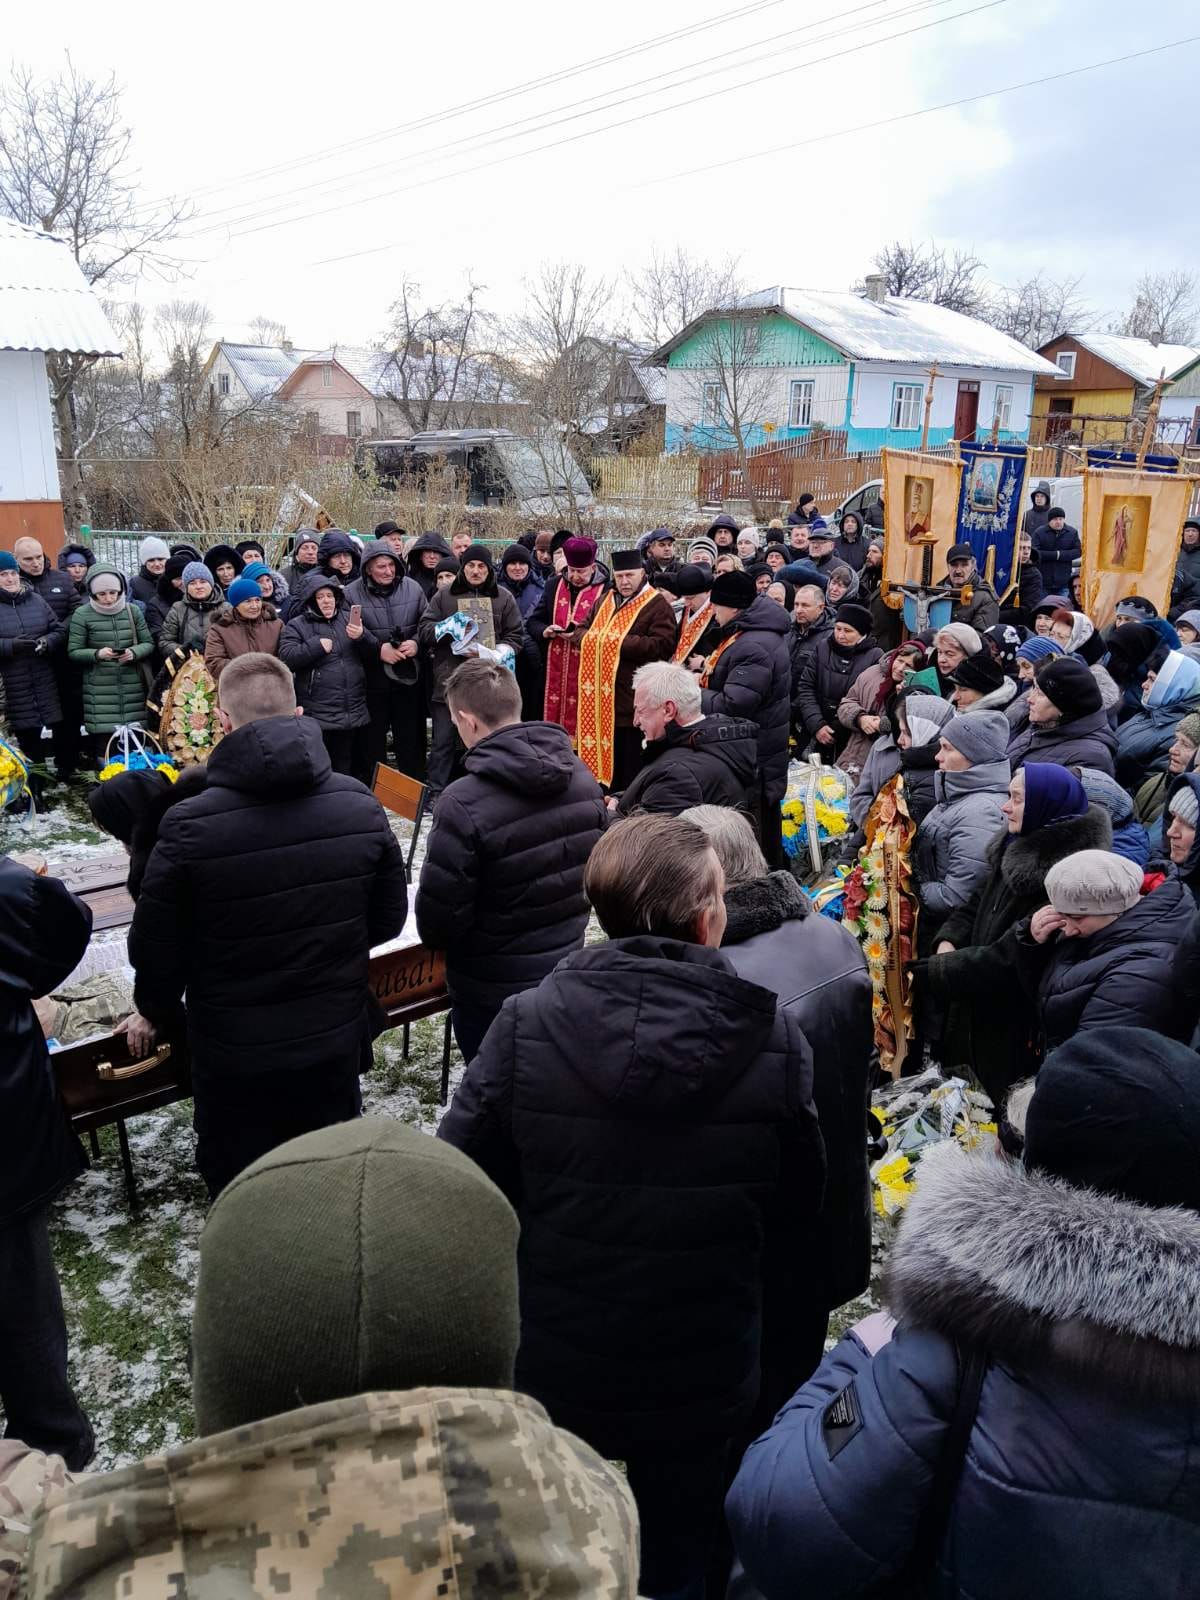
(256, 570)
(243, 589)
(8, 562)
(1037, 648)
(194, 571)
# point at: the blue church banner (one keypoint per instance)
(989, 507)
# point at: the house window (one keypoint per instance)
(800, 403)
(326, 376)
(353, 424)
(906, 405)
(710, 405)
(1002, 412)
(1065, 362)
(223, 382)
(749, 340)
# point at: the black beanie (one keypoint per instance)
(981, 672)
(364, 1256)
(1115, 1109)
(478, 552)
(733, 589)
(693, 578)
(1070, 686)
(855, 616)
(121, 802)
(516, 552)
(446, 564)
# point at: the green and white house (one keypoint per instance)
(786, 361)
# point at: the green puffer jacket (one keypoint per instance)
(114, 692)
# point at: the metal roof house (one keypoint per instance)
(47, 307)
(855, 364)
(1100, 381)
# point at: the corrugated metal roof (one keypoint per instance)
(261, 368)
(653, 381)
(46, 303)
(1141, 359)
(379, 374)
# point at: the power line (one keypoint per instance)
(560, 75)
(255, 210)
(589, 133)
(907, 116)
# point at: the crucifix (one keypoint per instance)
(932, 375)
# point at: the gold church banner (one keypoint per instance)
(920, 500)
(1132, 525)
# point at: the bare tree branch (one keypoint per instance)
(673, 290)
(1165, 307)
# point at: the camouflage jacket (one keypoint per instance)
(430, 1493)
(25, 1478)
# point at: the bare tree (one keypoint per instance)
(1040, 309)
(65, 167)
(1164, 307)
(438, 375)
(673, 290)
(930, 272)
(730, 390)
(263, 330)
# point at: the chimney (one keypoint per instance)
(876, 287)
(287, 345)
(1156, 337)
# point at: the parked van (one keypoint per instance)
(500, 468)
(1064, 492)
(866, 502)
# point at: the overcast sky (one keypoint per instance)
(1093, 173)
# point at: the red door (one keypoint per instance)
(966, 410)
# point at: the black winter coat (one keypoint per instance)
(1085, 741)
(713, 762)
(917, 766)
(143, 586)
(330, 685)
(800, 647)
(991, 1024)
(1121, 976)
(753, 679)
(263, 898)
(816, 968)
(829, 674)
(501, 890)
(57, 590)
(424, 577)
(30, 691)
(390, 615)
(1056, 553)
(44, 931)
(650, 1115)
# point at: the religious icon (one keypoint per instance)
(1124, 524)
(983, 486)
(479, 609)
(918, 507)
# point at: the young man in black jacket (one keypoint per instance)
(649, 1114)
(501, 889)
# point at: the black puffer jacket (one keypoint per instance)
(1085, 741)
(425, 577)
(713, 762)
(1121, 976)
(649, 1114)
(330, 685)
(815, 966)
(44, 931)
(501, 890)
(753, 679)
(999, 1042)
(336, 542)
(263, 897)
(31, 636)
(390, 613)
(56, 589)
(829, 673)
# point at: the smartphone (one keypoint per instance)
(356, 614)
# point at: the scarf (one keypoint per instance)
(691, 630)
(599, 660)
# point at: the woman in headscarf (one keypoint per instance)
(1151, 797)
(865, 707)
(991, 1024)
(1171, 691)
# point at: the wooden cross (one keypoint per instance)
(1152, 418)
(932, 374)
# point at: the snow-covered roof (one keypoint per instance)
(46, 303)
(261, 368)
(892, 330)
(653, 381)
(1140, 358)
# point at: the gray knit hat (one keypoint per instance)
(1093, 883)
(925, 715)
(364, 1256)
(964, 636)
(1185, 805)
(980, 736)
(702, 545)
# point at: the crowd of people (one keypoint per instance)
(414, 1359)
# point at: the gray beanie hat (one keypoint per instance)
(964, 636)
(1093, 883)
(364, 1256)
(981, 736)
(1184, 805)
(153, 549)
(703, 543)
(925, 716)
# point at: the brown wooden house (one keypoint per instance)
(1106, 379)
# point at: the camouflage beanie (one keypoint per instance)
(366, 1256)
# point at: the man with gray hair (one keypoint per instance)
(693, 759)
(262, 898)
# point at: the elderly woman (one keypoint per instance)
(951, 647)
(245, 625)
(1170, 692)
(1151, 798)
(971, 786)
(864, 710)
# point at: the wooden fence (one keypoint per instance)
(646, 478)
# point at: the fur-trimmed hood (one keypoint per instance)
(1041, 1272)
(1025, 861)
(227, 614)
(761, 906)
